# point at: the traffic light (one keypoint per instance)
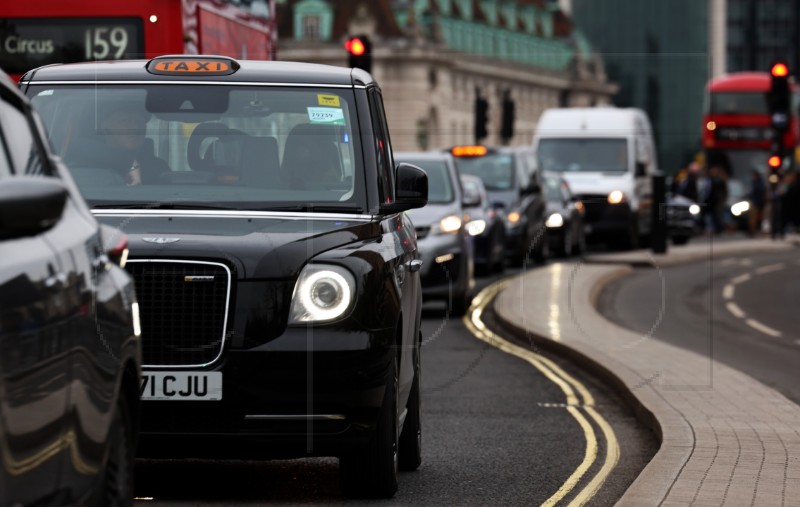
(507, 120)
(779, 98)
(359, 52)
(481, 118)
(775, 163)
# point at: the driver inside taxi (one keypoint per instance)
(125, 149)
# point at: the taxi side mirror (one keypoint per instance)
(411, 189)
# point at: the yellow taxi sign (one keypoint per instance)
(469, 151)
(182, 66)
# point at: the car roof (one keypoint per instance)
(276, 72)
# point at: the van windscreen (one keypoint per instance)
(583, 155)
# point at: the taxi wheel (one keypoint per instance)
(118, 480)
(372, 471)
(411, 436)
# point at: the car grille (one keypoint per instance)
(678, 213)
(595, 207)
(183, 307)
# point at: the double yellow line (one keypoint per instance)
(577, 397)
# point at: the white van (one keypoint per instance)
(607, 155)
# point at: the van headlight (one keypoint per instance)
(694, 209)
(323, 293)
(616, 197)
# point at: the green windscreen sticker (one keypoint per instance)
(326, 115)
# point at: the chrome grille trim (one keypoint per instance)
(224, 322)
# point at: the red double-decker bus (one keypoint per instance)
(737, 115)
(40, 32)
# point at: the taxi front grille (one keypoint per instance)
(183, 306)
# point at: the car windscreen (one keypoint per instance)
(583, 154)
(495, 170)
(440, 187)
(225, 146)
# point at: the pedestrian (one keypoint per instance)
(716, 197)
(687, 187)
(758, 199)
(776, 200)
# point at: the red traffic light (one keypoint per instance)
(779, 70)
(774, 161)
(355, 46)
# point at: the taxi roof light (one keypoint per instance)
(469, 151)
(192, 65)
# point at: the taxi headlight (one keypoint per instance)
(554, 220)
(694, 209)
(322, 293)
(476, 227)
(450, 224)
(616, 197)
(739, 208)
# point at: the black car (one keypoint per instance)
(683, 217)
(565, 228)
(277, 273)
(514, 184)
(484, 225)
(70, 351)
(445, 248)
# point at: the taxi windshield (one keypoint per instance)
(584, 155)
(223, 146)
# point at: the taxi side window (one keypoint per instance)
(23, 152)
(383, 147)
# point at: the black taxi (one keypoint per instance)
(276, 271)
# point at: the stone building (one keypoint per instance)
(433, 57)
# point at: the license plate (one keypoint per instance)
(181, 385)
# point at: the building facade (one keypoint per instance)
(659, 53)
(759, 32)
(434, 57)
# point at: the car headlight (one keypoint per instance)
(616, 197)
(740, 207)
(554, 220)
(450, 224)
(694, 209)
(322, 293)
(137, 322)
(513, 218)
(476, 227)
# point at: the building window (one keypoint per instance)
(311, 28)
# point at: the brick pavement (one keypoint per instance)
(726, 439)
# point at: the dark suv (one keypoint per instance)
(277, 274)
(70, 351)
(514, 184)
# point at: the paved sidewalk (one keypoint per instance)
(726, 439)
